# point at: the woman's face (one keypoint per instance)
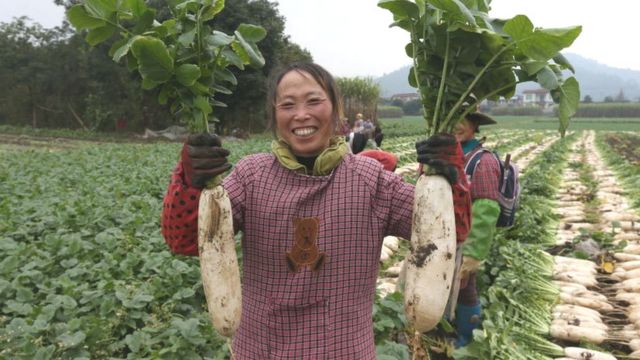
(465, 130)
(303, 114)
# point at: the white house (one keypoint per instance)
(537, 97)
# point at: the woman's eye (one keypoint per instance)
(286, 106)
(314, 101)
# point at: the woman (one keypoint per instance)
(310, 189)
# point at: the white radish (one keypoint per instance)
(430, 265)
(632, 249)
(384, 256)
(587, 354)
(583, 324)
(626, 334)
(578, 277)
(577, 334)
(576, 309)
(575, 293)
(611, 216)
(573, 318)
(627, 275)
(219, 261)
(561, 284)
(564, 259)
(386, 250)
(635, 344)
(629, 285)
(567, 267)
(391, 242)
(627, 236)
(631, 298)
(626, 257)
(629, 265)
(634, 355)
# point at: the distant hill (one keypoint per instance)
(596, 79)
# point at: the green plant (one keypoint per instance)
(183, 57)
(461, 57)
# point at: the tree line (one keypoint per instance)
(52, 79)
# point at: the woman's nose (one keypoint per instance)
(300, 112)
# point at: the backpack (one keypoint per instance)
(509, 191)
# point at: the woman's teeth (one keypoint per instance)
(304, 131)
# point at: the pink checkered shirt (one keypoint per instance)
(486, 177)
(313, 315)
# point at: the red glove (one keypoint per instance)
(443, 155)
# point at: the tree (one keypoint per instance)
(620, 97)
(247, 111)
(587, 99)
(397, 102)
(412, 107)
(359, 95)
(246, 108)
(608, 99)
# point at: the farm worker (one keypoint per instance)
(378, 136)
(357, 142)
(344, 127)
(484, 214)
(358, 125)
(319, 308)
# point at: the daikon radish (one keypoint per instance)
(629, 265)
(567, 267)
(391, 242)
(561, 284)
(632, 249)
(384, 256)
(630, 285)
(627, 275)
(587, 294)
(573, 316)
(611, 216)
(628, 236)
(386, 250)
(577, 334)
(635, 344)
(631, 298)
(582, 324)
(575, 309)
(587, 354)
(634, 355)
(564, 259)
(626, 334)
(430, 265)
(578, 277)
(634, 316)
(219, 261)
(626, 257)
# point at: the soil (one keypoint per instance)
(23, 142)
(628, 146)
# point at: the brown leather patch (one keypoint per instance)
(305, 250)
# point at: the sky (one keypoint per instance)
(353, 38)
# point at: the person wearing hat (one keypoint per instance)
(484, 214)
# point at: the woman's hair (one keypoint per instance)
(320, 75)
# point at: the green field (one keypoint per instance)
(527, 122)
(85, 273)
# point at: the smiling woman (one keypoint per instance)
(313, 216)
(305, 117)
